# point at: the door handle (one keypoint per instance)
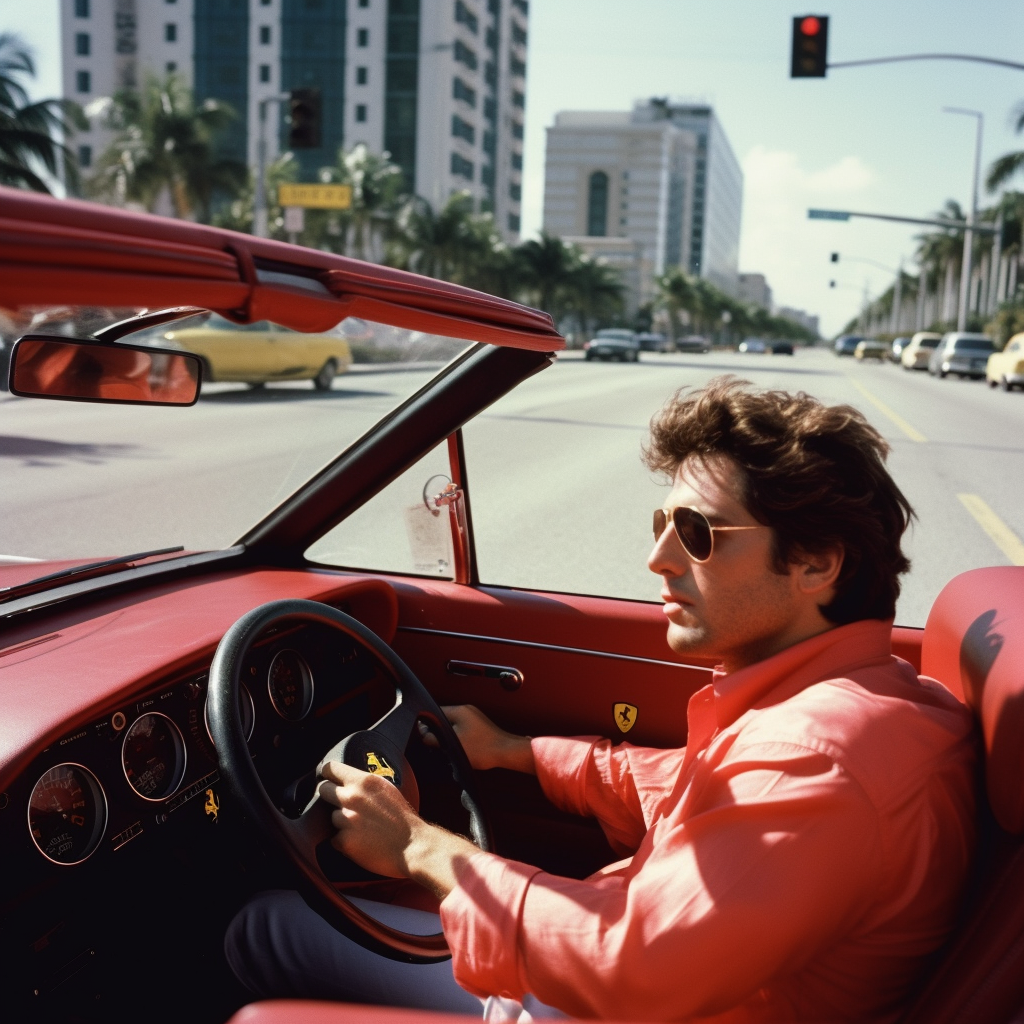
(507, 677)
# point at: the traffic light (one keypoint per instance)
(810, 46)
(305, 109)
(835, 257)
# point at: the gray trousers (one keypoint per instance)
(280, 949)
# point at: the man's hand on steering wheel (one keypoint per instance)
(486, 745)
(379, 830)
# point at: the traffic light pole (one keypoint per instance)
(260, 227)
(965, 263)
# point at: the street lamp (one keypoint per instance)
(259, 200)
(965, 265)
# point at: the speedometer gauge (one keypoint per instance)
(153, 756)
(291, 685)
(67, 814)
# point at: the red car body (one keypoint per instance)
(75, 654)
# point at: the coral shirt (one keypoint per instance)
(795, 861)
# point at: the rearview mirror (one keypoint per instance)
(90, 371)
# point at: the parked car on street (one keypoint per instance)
(693, 343)
(258, 353)
(963, 353)
(649, 342)
(1006, 368)
(613, 343)
(898, 345)
(846, 344)
(916, 355)
(753, 346)
(870, 348)
(781, 348)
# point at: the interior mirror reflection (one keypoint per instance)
(87, 371)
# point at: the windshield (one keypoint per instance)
(86, 481)
(985, 344)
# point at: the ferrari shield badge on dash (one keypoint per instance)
(625, 716)
(376, 765)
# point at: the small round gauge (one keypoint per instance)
(67, 814)
(291, 685)
(153, 756)
(245, 710)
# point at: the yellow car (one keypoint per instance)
(915, 356)
(869, 348)
(1006, 368)
(257, 353)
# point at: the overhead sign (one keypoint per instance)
(316, 197)
(828, 214)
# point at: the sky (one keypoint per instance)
(873, 139)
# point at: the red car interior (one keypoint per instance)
(535, 662)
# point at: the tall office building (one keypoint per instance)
(662, 177)
(439, 85)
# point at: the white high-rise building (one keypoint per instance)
(439, 84)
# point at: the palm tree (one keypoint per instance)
(30, 132)
(546, 266)
(165, 146)
(1003, 169)
(676, 296)
(432, 242)
(594, 293)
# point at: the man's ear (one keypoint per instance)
(815, 572)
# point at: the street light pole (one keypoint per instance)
(965, 265)
(260, 227)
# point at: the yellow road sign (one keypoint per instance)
(316, 197)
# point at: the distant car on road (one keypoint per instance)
(693, 343)
(781, 348)
(898, 345)
(846, 344)
(916, 355)
(753, 346)
(1006, 368)
(870, 348)
(613, 343)
(260, 352)
(963, 353)
(649, 342)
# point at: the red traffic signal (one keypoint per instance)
(810, 46)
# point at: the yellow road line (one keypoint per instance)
(911, 432)
(1001, 535)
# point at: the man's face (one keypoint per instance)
(733, 607)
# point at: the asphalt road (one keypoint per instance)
(560, 499)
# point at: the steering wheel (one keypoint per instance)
(379, 749)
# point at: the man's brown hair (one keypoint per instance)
(814, 473)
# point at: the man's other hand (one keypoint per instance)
(486, 745)
(379, 830)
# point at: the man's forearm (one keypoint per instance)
(435, 856)
(518, 755)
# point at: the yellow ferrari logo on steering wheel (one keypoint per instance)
(378, 766)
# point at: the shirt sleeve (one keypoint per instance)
(779, 855)
(624, 787)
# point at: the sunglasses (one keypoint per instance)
(692, 528)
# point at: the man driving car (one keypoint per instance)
(796, 860)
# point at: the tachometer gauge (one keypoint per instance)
(245, 711)
(67, 814)
(153, 756)
(291, 685)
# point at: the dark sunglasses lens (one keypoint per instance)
(694, 531)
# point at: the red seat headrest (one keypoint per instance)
(974, 645)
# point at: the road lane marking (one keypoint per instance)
(1001, 535)
(911, 432)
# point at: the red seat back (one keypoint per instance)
(974, 644)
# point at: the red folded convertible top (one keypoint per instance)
(109, 257)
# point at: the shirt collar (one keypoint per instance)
(828, 655)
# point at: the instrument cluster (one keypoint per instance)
(134, 770)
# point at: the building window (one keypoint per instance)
(363, 37)
(264, 72)
(490, 109)
(463, 129)
(464, 55)
(517, 130)
(597, 205)
(490, 143)
(364, 3)
(171, 66)
(464, 16)
(360, 111)
(487, 176)
(85, 156)
(362, 76)
(517, 67)
(491, 74)
(265, 3)
(170, 33)
(265, 34)
(513, 222)
(518, 34)
(82, 44)
(463, 92)
(517, 161)
(462, 167)
(81, 8)
(518, 99)
(491, 39)
(515, 192)
(83, 81)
